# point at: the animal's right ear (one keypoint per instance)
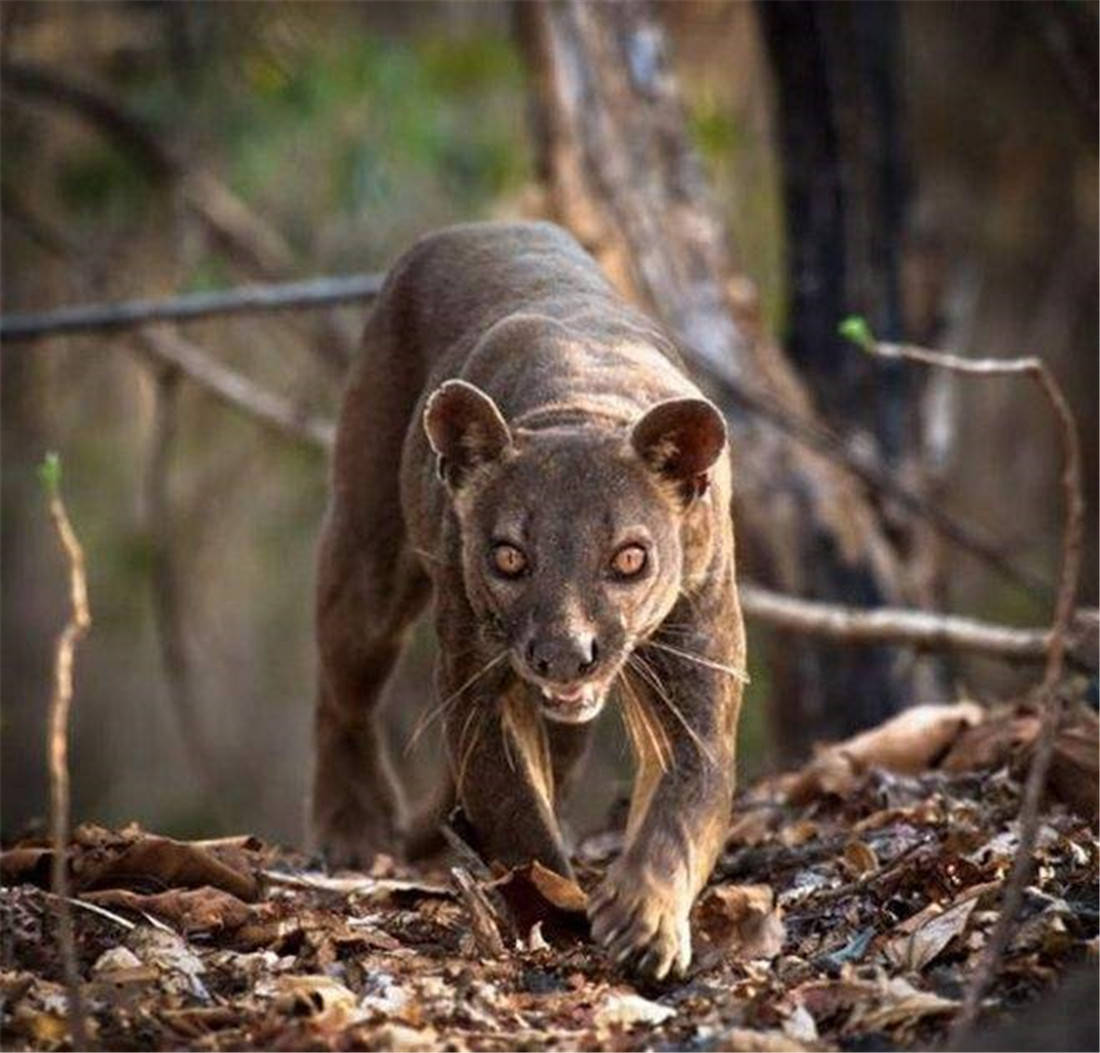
(465, 429)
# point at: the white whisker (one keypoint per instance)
(437, 711)
(729, 670)
(654, 681)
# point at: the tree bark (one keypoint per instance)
(621, 173)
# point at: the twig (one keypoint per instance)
(57, 742)
(1063, 611)
(899, 625)
(238, 391)
(277, 296)
(485, 927)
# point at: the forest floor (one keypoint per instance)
(848, 910)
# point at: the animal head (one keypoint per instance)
(571, 537)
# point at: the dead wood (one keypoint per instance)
(79, 622)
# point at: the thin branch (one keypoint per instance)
(485, 926)
(922, 629)
(238, 391)
(279, 296)
(57, 741)
(1073, 532)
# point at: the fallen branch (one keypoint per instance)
(484, 924)
(57, 740)
(278, 296)
(238, 391)
(1049, 696)
(922, 629)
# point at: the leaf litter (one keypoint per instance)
(848, 909)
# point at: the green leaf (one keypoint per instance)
(856, 329)
(49, 472)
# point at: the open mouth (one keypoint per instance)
(572, 704)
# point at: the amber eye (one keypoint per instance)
(629, 561)
(508, 560)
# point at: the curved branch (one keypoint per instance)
(238, 391)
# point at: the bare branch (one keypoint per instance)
(284, 296)
(238, 391)
(1073, 532)
(485, 925)
(58, 741)
(922, 629)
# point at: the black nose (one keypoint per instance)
(563, 658)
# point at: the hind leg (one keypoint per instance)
(367, 597)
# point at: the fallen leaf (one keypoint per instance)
(626, 1010)
(919, 944)
(179, 967)
(739, 923)
(860, 858)
(168, 863)
(896, 1001)
(192, 910)
(907, 744)
(327, 1003)
(534, 893)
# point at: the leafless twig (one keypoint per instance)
(57, 741)
(1063, 611)
(485, 926)
(276, 296)
(236, 390)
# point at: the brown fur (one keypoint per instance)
(507, 395)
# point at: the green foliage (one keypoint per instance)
(49, 474)
(856, 329)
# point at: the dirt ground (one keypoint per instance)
(847, 911)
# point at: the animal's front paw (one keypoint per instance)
(642, 920)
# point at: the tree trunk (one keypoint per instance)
(835, 69)
(622, 175)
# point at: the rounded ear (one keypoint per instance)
(680, 440)
(465, 429)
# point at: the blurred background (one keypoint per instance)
(931, 167)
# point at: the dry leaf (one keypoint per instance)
(626, 1010)
(920, 943)
(739, 922)
(192, 910)
(907, 744)
(860, 858)
(536, 894)
(327, 1003)
(179, 967)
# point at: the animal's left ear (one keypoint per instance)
(680, 440)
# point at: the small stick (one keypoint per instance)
(1073, 531)
(57, 742)
(486, 929)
